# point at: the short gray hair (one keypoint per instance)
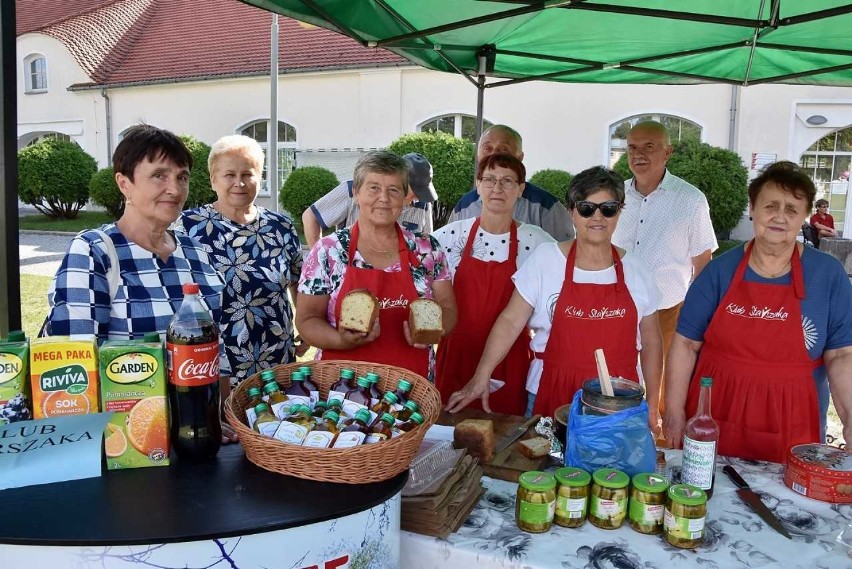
(236, 144)
(594, 179)
(506, 129)
(380, 162)
(655, 126)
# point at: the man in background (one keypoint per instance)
(338, 208)
(536, 206)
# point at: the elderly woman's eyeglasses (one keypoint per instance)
(505, 183)
(608, 208)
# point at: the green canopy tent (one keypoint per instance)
(740, 42)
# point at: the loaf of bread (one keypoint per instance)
(477, 436)
(536, 447)
(425, 321)
(358, 310)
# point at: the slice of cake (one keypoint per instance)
(358, 311)
(425, 321)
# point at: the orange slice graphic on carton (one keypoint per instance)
(148, 426)
(58, 403)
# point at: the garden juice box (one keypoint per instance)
(14, 379)
(133, 386)
(63, 376)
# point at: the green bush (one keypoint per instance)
(53, 177)
(303, 187)
(717, 172)
(554, 181)
(200, 192)
(104, 191)
(452, 166)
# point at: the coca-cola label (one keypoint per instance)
(193, 365)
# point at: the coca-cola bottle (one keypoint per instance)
(700, 437)
(192, 352)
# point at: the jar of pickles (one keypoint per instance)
(572, 496)
(648, 503)
(683, 524)
(608, 504)
(535, 503)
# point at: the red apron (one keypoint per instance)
(764, 397)
(483, 290)
(587, 316)
(395, 290)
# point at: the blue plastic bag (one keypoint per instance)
(622, 440)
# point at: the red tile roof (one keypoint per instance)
(138, 41)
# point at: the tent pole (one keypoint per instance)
(480, 101)
(272, 131)
(735, 117)
(10, 285)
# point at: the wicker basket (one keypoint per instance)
(355, 465)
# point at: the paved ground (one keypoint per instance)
(42, 252)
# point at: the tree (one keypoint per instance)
(53, 177)
(200, 192)
(452, 166)
(104, 191)
(554, 181)
(304, 186)
(717, 172)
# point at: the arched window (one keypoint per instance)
(287, 145)
(35, 137)
(458, 125)
(35, 73)
(679, 129)
(828, 162)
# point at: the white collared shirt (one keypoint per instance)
(667, 228)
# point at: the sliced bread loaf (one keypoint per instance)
(358, 310)
(425, 321)
(536, 447)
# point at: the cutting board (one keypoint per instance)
(510, 463)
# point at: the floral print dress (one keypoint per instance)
(258, 262)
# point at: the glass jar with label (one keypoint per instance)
(535, 503)
(572, 496)
(608, 504)
(648, 503)
(683, 522)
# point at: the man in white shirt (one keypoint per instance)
(666, 220)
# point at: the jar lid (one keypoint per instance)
(650, 482)
(335, 403)
(331, 416)
(411, 404)
(611, 478)
(570, 476)
(687, 495)
(391, 397)
(363, 382)
(373, 377)
(404, 384)
(416, 418)
(252, 391)
(537, 481)
(347, 373)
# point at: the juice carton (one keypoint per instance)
(133, 386)
(64, 376)
(14, 378)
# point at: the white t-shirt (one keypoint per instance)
(539, 282)
(488, 246)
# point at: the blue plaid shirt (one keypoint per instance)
(147, 297)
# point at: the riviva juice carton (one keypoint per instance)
(133, 386)
(64, 376)
(14, 378)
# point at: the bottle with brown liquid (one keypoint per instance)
(296, 426)
(403, 391)
(345, 383)
(319, 409)
(324, 432)
(415, 421)
(358, 399)
(354, 431)
(267, 376)
(310, 385)
(408, 409)
(336, 405)
(382, 430)
(266, 423)
(375, 393)
(298, 392)
(279, 403)
(385, 406)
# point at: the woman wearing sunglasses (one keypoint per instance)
(483, 254)
(579, 295)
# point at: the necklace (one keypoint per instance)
(385, 253)
(763, 272)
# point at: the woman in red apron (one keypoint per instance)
(380, 190)
(586, 315)
(755, 347)
(483, 288)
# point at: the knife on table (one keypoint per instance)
(753, 501)
(515, 433)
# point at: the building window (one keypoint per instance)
(48, 136)
(35, 74)
(679, 129)
(828, 162)
(458, 125)
(287, 144)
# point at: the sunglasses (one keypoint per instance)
(608, 208)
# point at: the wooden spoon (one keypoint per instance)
(603, 373)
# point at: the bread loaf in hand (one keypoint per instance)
(425, 321)
(358, 311)
(477, 436)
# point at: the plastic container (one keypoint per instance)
(683, 523)
(608, 504)
(627, 394)
(573, 486)
(648, 503)
(535, 504)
